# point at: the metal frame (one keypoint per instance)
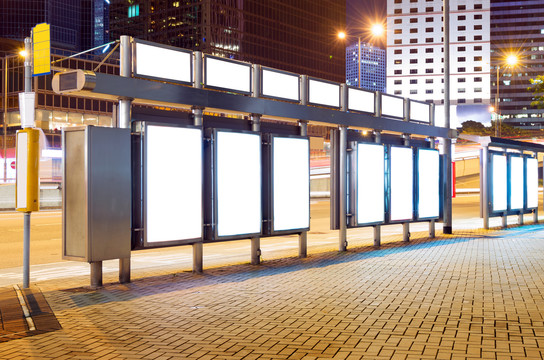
(509, 183)
(416, 180)
(389, 220)
(327, 82)
(150, 245)
(168, 47)
(216, 236)
(429, 106)
(265, 68)
(271, 177)
(362, 90)
(525, 158)
(382, 95)
(230, 61)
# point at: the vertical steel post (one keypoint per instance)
(26, 225)
(432, 227)
(447, 141)
(198, 120)
(359, 62)
(124, 121)
(303, 236)
(377, 228)
(484, 191)
(343, 244)
(96, 274)
(406, 225)
(5, 125)
(256, 126)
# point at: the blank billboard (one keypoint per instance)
(392, 106)
(173, 186)
(428, 181)
(163, 62)
(532, 183)
(499, 185)
(227, 74)
(402, 184)
(238, 183)
(420, 112)
(291, 183)
(370, 183)
(517, 183)
(361, 100)
(324, 93)
(279, 84)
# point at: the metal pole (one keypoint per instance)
(124, 122)
(256, 240)
(5, 127)
(198, 119)
(406, 225)
(447, 141)
(497, 124)
(96, 274)
(343, 244)
(359, 64)
(377, 228)
(26, 226)
(303, 236)
(432, 228)
(484, 173)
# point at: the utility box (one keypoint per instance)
(96, 194)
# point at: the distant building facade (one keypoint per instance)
(371, 68)
(292, 35)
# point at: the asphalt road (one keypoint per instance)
(46, 261)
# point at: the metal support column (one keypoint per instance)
(256, 240)
(5, 118)
(96, 274)
(484, 183)
(535, 216)
(447, 141)
(343, 243)
(432, 227)
(504, 220)
(520, 218)
(26, 226)
(124, 121)
(198, 120)
(406, 226)
(303, 236)
(377, 228)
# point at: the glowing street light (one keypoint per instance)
(377, 30)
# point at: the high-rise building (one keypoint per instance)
(371, 68)
(292, 35)
(415, 50)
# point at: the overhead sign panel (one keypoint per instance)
(227, 74)
(41, 49)
(361, 100)
(173, 184)
(532, 183)
(420, 111)
(402, 185)
(517, 183)
(238, 183)
(163, 62)
(324, 93)
(428, 180)
(499, 185)
(280, 84)
(392, 106)
(291, 183)
(370, 183)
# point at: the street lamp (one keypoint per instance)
(511, 60)
(376, 30)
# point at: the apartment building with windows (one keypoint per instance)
(371, 68)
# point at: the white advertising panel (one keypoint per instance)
(517, 182)
(280, 85)
(22, 170)
(238, 183)
(163, 63)
(324, 93)
(428, 169)
(402, 175)
(392, 106)
(173, 183)
(532, 183)
(291, 183)
(227, 74)
(420, 112)
(361, 100)
(370, 183)
(498, 177)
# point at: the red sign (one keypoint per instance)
(12, 165)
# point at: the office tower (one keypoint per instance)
(372, 67)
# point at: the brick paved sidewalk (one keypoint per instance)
(474, 295)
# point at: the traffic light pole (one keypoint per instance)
(26, 225)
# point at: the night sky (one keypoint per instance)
(361, 14)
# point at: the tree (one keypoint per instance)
(538, 90)
(473, 127)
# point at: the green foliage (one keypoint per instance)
(538, 91)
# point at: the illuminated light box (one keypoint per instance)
(402, 189)
(532, 183)
(392, 106)
(324, 93)
(238, 183)
(173, 183)
(517, 183)
(280, 84)
(428, 169)
(370, 183)
(499, 186)
(420, 112)
(163, 62)
(227, 74)
(291, 183)
(361, 100)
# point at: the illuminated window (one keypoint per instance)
(133, 11)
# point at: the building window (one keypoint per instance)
(413, 61)
(477, 68)
(477, 6)
(413, 51)
(429, 9)
(429, 50)
(461, 17)
(413, 81)
(398, 51)
(429, 61)
(398, 72)
(462, 101)
(429, 71)
(413, 1)
(413, 41)
(461, 59)
(428, 40)
(478, 48)
(413, 10)
(413, 20)
(398, 1)
(476, 90)
(133, 11)
(398, 11)
(398, 62)
(461, 48)
(398, 92)
(398, 41)
(413, 92)
(398, 21)
(461, 7)
(461, 80)
(398, 82)
(413, 71)
(461, 28)
(461, 38)
(461, 69)
(477, 100)
(477, 79)
(478, 17)
(429, 91)
(429, 19)
(413, 31)
(461, 90)
(477, 37)
(429, 81)
(477, 58)
(429, 30)
(398, 31)
(477, 27)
